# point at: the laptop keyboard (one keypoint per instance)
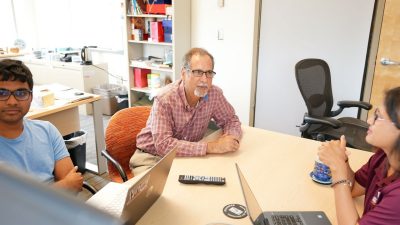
(286, 220)
(116, 205)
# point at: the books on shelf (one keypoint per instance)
(137, 7)
(144, 62)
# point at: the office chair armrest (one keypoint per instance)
(359, 104)
(116, 164)
(89, 187)
(349, 104)
(322, 120)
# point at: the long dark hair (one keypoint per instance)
(392, 105)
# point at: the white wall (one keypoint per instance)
(233, 55)
(116, 65)
(291, 30)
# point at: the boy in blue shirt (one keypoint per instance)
(33, 146)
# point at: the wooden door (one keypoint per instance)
(387, 76)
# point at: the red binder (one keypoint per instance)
(140, 77)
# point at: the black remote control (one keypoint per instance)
(189, 179)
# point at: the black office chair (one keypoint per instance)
(314, 80)
(89, 187)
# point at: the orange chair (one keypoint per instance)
(120, 136)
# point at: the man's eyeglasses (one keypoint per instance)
(199, 73)
(19, 94)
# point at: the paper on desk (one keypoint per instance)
(54, 87)
(72, 95)
(63, 93)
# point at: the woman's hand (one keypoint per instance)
(334, 155)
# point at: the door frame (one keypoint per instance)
(373, 46)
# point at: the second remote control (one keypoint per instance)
(189, 179)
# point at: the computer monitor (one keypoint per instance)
(27, 201)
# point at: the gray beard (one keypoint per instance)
(199, 94)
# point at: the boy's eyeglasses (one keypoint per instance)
(19, 94)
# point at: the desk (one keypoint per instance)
(277, 167)
(66, 118)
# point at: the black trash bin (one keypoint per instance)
(76, 145)
(122, 101)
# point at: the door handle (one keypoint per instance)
(387, 61)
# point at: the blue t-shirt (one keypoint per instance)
(36, 150)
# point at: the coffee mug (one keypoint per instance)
(321, 172)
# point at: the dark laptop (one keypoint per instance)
(258, 217)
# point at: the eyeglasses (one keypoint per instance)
(19, 94)
(199, 73)
(378, 117)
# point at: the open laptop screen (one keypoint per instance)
(253, 208)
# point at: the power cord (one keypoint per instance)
(108, 73)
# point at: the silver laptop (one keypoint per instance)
(258, 217)
(25, 200)
(131, 203)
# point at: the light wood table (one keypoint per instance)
(277, 167)
(66, 118)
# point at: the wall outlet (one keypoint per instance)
(220, 34)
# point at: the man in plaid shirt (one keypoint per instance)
(181, 113)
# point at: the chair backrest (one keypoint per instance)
(314, 81)
(120, 137)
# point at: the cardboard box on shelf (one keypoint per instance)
(156, 8)
(153, 80)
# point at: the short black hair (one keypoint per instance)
(15, 70)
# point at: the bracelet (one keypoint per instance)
(344, 181)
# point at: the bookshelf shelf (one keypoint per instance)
(166, 70)
(148, 15)
(146, 90)
(150, 42)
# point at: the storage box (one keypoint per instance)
(154, 80)
(156, 8)
(44, 98)
(140, 77)
(108, 93)
(167, 25)
(109, 105)
(137, 35)
(157, 31)
(168, 38)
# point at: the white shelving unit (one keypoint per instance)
(138, 49)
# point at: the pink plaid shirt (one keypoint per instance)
(173, 123)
